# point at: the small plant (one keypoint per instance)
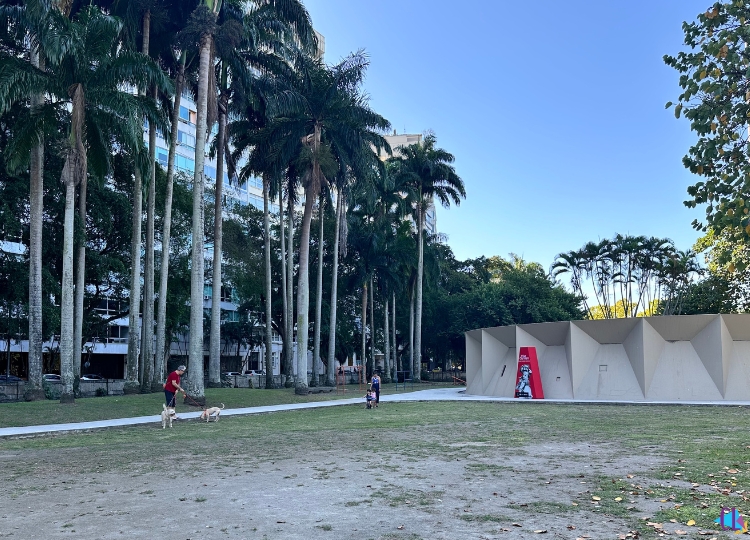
(325, 527)
(200, 499)
(101, 392)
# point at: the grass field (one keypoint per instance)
(608, 471)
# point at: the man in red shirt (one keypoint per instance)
(172, 386)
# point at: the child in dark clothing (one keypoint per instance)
(370, 397)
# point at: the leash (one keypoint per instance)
(195, 403)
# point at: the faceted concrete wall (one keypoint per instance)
(677, 358)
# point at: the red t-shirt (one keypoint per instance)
(169, 386)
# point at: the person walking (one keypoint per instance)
(375, 385)
(172, 386)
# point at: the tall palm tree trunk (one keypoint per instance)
(411, 331)
(387, 342)
(134, 332)
(267, 257)
(372, 326)
(147, 335)
(363, 360)
(287, 343)
(418, 322)
(289, 351)
(303, 295)
(394, 366)
(66, 302)
(80, 285)
(194, 380)
(162, 351)
(318, 298)
(34, 389)
(331, 367)
(214, 359)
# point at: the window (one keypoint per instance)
(255, 182)
(186, 139)
(162, 156)
(210, 171)
(256, 201)
(185, 163)
(184, 114)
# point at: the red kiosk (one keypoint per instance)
(528, 378)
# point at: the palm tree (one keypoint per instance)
(86, 71)
(430, 172)
(30, 20)
(331, 108)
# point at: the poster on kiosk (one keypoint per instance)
(528, 378)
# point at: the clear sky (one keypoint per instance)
(554, 112)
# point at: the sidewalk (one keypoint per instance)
(435, 394)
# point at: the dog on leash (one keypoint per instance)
(166, 416)
(212, 411)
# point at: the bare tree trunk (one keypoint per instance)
(34, 389)
(80, 285)
(418, 322)
(411, 331)
(162, 349)
(267, 254)
(386, 341)
(318, 298)
(194, 380)
(214, 359)
(395, 344)
(66, 301)
(290, 292)
(287, 343)
(363, 360)
(134, 331)
(331, 368)
(147, 334)
(303, 295)
(372, 325)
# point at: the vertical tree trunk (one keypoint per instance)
(318, 298)
(372, 325)
(267, 257)
(395, 343)
(386, 341)
(147, 334)
(331, 367)
(162, 349)
(214, 359)
(363, 360)
(34, 389)
(418, 322)
(287, 338)
(290, 293)
(134, 331)
(194, 380)
(66, 301)
(80, 285)
(303, 294)
(411, 331)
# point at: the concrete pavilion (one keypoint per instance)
(669, 358)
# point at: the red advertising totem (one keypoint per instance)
(528, 379)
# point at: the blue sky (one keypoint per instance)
(553, 110)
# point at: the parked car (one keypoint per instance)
(9, 378)
(231, 373)
(254, 373)
(91, 377)
(51, 377)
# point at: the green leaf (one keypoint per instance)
(668, 105)
(678, 110)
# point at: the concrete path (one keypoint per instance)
(434, 394)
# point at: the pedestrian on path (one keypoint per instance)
(172, 386)
(375, 385)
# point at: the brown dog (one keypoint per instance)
(212, 411)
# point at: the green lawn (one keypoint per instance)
(105, 408)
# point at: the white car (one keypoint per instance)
(253, 373)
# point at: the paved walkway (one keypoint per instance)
(434, 394)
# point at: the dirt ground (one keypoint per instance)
(374, 496)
